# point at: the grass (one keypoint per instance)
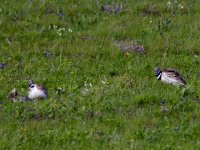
(98, 97)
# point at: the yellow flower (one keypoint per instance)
(127, 54)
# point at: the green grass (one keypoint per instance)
(99, 98)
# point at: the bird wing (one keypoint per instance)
(43, 89)
(172, 73)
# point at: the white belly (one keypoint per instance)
(36, 94)
(169, 80)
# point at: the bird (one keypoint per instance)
(14, 96)
(36, 91)
(170, 76)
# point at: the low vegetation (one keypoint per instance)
(96, 59)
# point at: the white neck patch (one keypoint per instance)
(159, 76)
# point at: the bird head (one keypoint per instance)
(157, 71)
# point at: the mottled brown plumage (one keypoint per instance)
(13, 96)
(169, 75)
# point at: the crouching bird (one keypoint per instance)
(36, 91)
(15, 97)
(170, 76)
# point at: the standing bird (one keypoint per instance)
(170, 76)
(36, 91)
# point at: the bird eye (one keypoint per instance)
(32, 86)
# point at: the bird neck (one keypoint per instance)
(158, 75)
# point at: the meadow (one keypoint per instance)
(98, 96)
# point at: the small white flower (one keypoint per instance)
(103, 82)
(150, 21)
(85, 91)
(54, 26)
(180, 6)
(8, 41)
(87, 84)
(169, 3)
(69, 30)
